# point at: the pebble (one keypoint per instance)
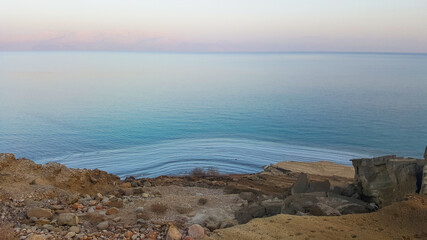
(139, 209)
(112, 211)
(70, 235)
(102, 225)
(74, 229)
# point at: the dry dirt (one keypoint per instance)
(22, 178)
(321, 168)
(401, 221)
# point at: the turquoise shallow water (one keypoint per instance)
(149, 114)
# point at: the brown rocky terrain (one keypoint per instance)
(288, 200)
(401, 221)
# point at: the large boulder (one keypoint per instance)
(424, 185)
(424, 176)
(387, 179)
(304, 185)
(212, 218)
(323, 204)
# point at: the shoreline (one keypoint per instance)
(179, 157)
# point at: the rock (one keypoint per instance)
(102, 225)
(320, 209)
(39, 213)
(115, 203)
(316, 186)
(70, 235)
(173, 233)
(228, 223)
(152, 235)
(387, 179)
(112, 211)
(139, 209)
(75, 229)
(211, 218)
(248, 196)
(69, 219)
(36, 237)
(305, 203)
(424, 184)
(196, 232)
(128, 191)
(301, 185)
(48, 227)
(423, 189)
(247, 213)
(96, 217)
(128, 234)
(42, 221)
(138, 191)
(272, 206)
(145, 195)
(117, 219)
(126, 185)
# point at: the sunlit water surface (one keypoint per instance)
(147, 114)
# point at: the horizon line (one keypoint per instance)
(229, 52)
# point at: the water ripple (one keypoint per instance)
(181, 156)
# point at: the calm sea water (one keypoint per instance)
(151, 114)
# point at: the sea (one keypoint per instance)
(149, 114)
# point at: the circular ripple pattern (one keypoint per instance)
(181, 156)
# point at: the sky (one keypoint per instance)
(214, 25)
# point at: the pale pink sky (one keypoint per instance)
(214, 26)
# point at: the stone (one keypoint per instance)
(173, 233)
(424, 184)
(320, 209)
(115, 203)
(48, 227)
(102, 225)
(117, 219)
(308, 203)
(301, 185)
(316, 186)
(69, 219)
(152, 235)
(75, 229)
(247, 213)
(112, 211)
(39, 213)
(139, 209)
(145, 195)
(387, 179)
(70, 235)
(128, 234)
(42, 221)
(272, 206)
(211, 218)
(128, 191)
(423, 189)
(126, 185)
(138, 191)
(36, 237)
(196, 232)
(248, 196)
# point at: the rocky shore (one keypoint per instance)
(288, 200)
